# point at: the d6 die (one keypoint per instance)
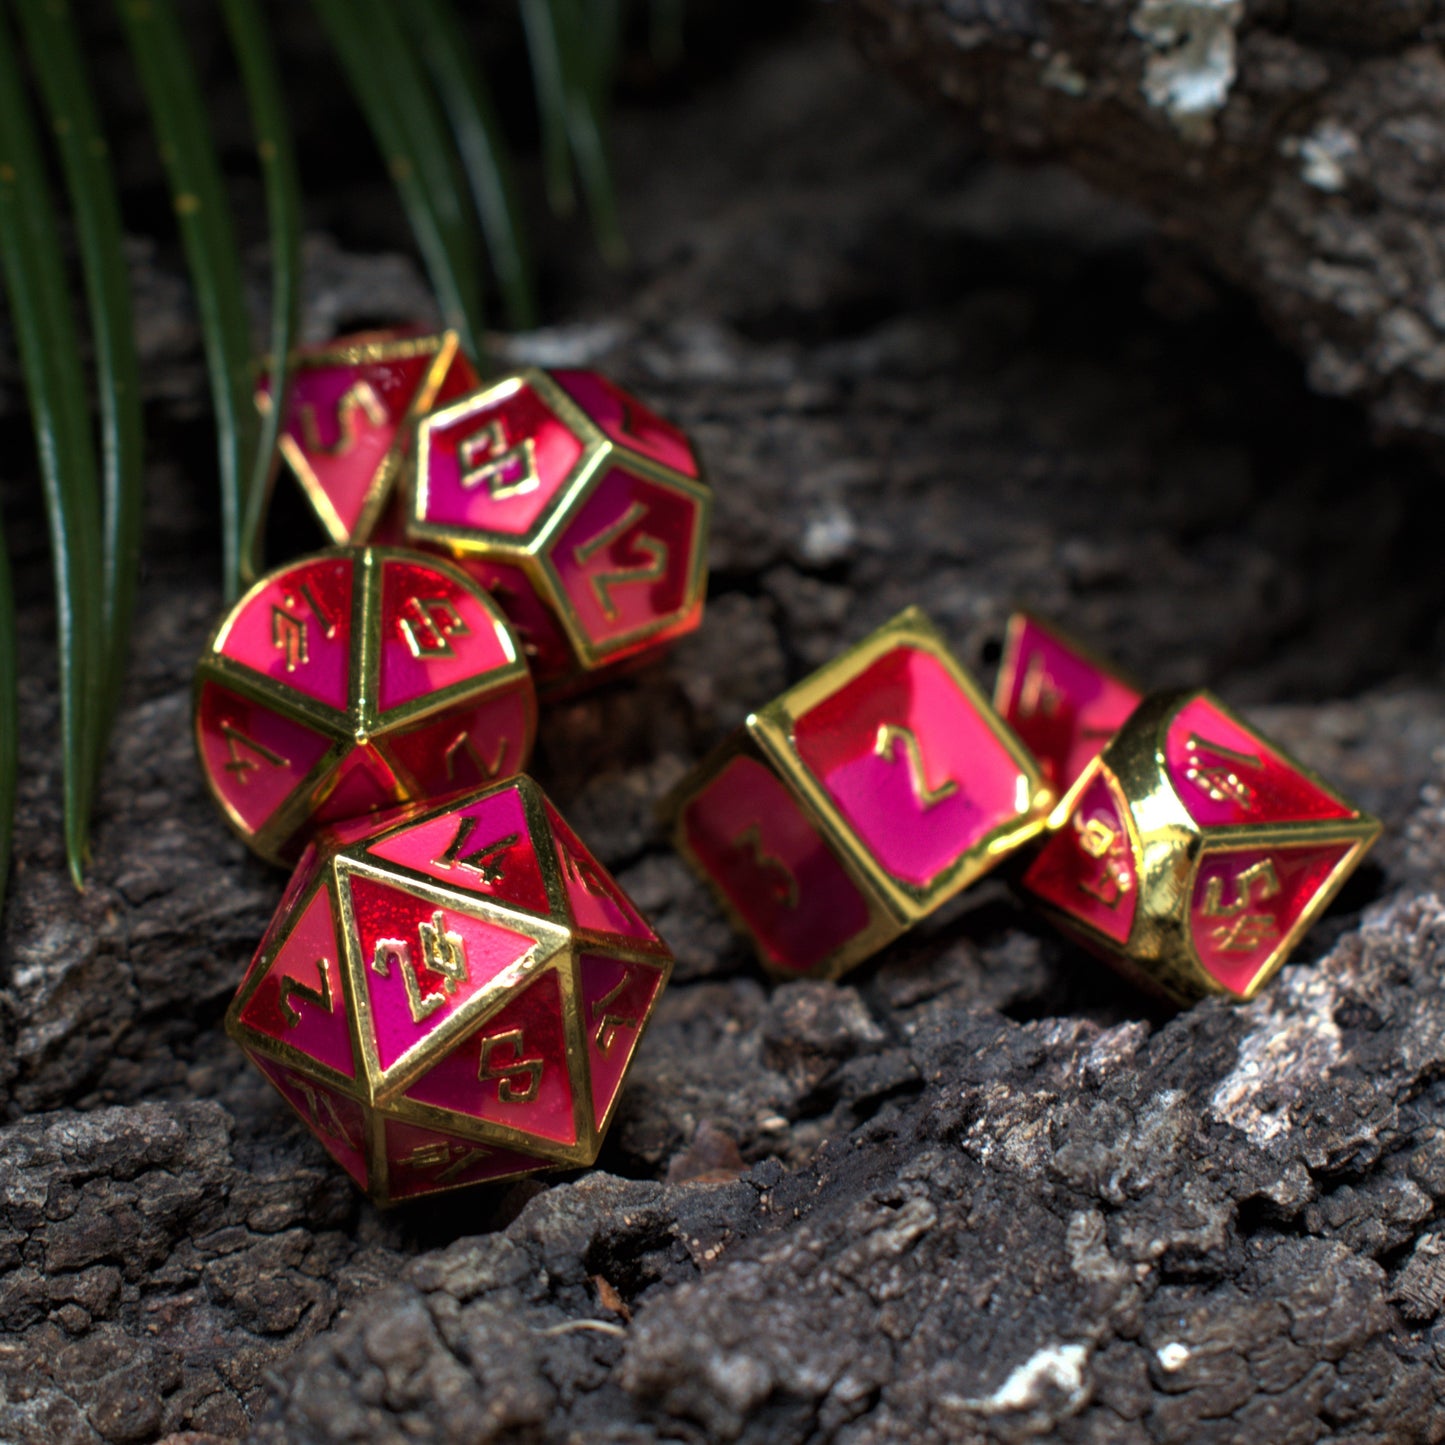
(857, 802)
(583, 513)
(454, 998)
(350, 415)
(352, 681)
(1193, 853)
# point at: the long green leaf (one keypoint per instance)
(551, 86)
(90, 184)
(198, 195)
(283, 215)
(9, 717)
(50, 355)
(387, 81)
(483, 150)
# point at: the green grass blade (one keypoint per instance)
(483, 151)
(283, 215)
(386, 78)
(547, 76)
(198, 195)
(50, 355)
(90, 185)
(9, 717)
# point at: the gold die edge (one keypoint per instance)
(1022, 617)
(664, 967)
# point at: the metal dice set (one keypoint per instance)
(452, 988)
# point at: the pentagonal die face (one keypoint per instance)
(352, 682)
(583, 511)
(1244, 850)
(350, 409)
(454, 999)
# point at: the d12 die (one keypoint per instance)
(582, 512)
(1059, 698)
(350, 413)
(858, 802)
(453, 998)
(1193, 853)
(351, 681)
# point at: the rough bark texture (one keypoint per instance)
(979, 1191)
(1298, 144)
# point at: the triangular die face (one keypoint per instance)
(298, 1001)
(423, 1161)
(627, 422)
(512, 1069)
(337, 1120)
(468, 746)
(483, 847)
(295, 629)
(597, 901)
(617, 997)
(1228, 777)
(362, 783)
(1246, 902)
(544, 642)
(435, 632)
(421, 964)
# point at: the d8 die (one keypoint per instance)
(1065, 703)
(453, 998)
(1193, 853)
(583, 513)
(350, 413)
(857, 802)
(352, 681)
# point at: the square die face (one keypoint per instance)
(914, 764)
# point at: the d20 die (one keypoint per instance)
(1065, 703)
(581, 511)
(1193, 853)
(350, 413)
(353, 681)
(454, 997)
(857, 802)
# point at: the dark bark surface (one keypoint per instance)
(979, 1191)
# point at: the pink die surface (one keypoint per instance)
(467, 747)
(422, 1161)
(627, 422)
(598, 904)
(1244, 904)
(1087, 868)
(299, 1000)
(616, 996)
(494, 463)
(912, 764)
(752, 840)
(1062, 705)
(255, 757)
(626, 558)
(510, 1070)
(336, 1119)
(361, 784)
(295, 628)
(435, 633)
(1227, 777)
(544, 641)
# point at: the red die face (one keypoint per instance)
(1062, 701)
(349, 415)
(584, 511)
(351, 682)
(1194, 853)
(464, 990)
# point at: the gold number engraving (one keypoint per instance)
(486, 860)
(654, 548)
(1039, 693)
(239, 766)
(610, 1024)
(1220, 780)
(785, 884)
(890, 733)
(583, 871)
(321, 1108)
(288, 632)
(451, 1158)
(507, 1072)
(442, 952)
(318, 997)
(1244, 931)
(507, 471)
(464, 743)
(1098, 840)
(358, 400)
(428, 625)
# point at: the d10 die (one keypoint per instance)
(1193, 853)
(352, 681)
(350, 414)
(453, 998)
(583, 513)
(1059, 698)
(857, 802)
